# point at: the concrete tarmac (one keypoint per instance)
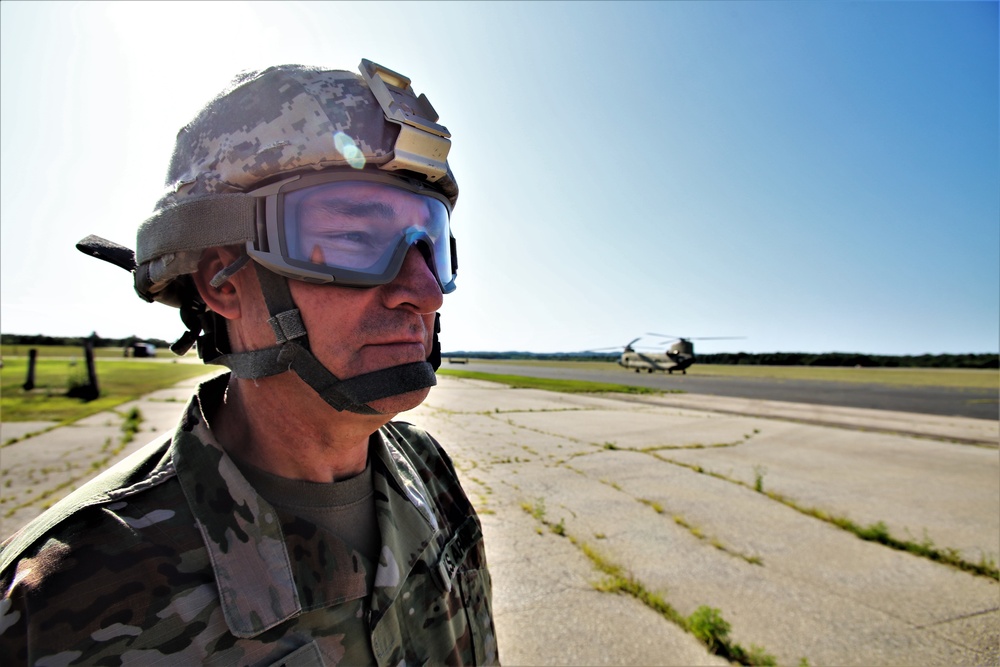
(664, 489)
(45, 463)
(667, 494)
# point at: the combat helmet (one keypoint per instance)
(234, 176)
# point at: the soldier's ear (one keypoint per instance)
(224, 298)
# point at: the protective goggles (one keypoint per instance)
(352, 229)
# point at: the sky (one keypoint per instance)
(810, 177)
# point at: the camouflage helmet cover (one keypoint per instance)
(272, 123)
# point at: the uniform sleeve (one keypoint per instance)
(25, 599)
(91, 589)
(13, 633)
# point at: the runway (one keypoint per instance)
(944, 401)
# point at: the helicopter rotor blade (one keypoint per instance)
(618, 348)
(697, 337)
(718, 338)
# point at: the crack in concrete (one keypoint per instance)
(960, 617)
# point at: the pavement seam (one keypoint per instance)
(960, 617)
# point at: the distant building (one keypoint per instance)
(140, 350)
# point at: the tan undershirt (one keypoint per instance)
(345, 508)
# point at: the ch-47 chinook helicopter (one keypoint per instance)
(678, 356)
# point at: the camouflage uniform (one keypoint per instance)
(171, 557)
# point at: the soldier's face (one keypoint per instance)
(353, 330)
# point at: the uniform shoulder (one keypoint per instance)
(437, 470)
(146, 468)
(417, 443)
(409, 431)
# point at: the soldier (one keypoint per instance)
(305, 237)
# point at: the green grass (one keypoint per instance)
(119, 381)
(925, 377)
(131, 426)
(537, 510)
(706, 623)
(70, 351)
(549, 384)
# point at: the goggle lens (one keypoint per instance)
(359, 232)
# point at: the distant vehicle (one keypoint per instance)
(142, 350)
(677, 357)
(458, 360)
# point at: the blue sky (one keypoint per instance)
(811, 176)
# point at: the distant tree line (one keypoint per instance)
(77, 341)
(849, 359)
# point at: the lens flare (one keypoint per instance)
(346, 147)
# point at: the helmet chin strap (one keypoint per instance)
(292, 353)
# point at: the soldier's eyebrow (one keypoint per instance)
(353, 208)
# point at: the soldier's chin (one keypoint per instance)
(393, 405)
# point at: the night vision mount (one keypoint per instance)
(422, 145)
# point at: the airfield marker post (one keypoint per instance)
(29, 382)
(88, 350)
